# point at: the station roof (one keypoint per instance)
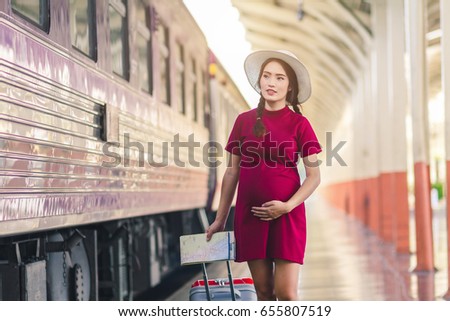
(333, 38)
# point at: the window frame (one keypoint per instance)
(181, 72)
(45, 7)
(122, 9)
(93, 42)
(143, 29)
(164, 51)
(194, 89)
(205, 102)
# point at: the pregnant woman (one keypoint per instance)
(265, 145)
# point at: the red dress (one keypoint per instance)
(269, 172)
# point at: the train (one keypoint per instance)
(113, 119)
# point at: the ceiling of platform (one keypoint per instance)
(332, 38)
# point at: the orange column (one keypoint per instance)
(384, 120)
(371, 201)
(374, 205)
(445, 63)
(401, 209)
(424, 235)
(386, 204)
(397, 97)
(418, 94)
(364, 142)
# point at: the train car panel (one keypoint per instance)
(55, 107)
(105, 129)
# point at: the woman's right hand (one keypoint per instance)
(216, 226)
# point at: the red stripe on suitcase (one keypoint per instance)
(225, 281)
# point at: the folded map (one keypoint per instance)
(194, 248)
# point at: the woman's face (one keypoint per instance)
(274, 83)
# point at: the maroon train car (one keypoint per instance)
(106, 119)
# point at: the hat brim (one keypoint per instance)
(254, 61)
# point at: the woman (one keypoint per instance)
(265, 144)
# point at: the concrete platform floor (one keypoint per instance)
(346, 261)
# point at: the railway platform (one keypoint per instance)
(346, 261)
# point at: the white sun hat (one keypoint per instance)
(254, 61)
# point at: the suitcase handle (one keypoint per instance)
(230, 278)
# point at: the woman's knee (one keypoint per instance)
(262, 273)
(286, 294)
(266, 293)
(286, 280)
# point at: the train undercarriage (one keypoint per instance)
(116, 260)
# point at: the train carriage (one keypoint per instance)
(227, 103)
(105, 124)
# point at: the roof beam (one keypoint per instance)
(314, 65)
(268, 30)
(339, 10)
(277, 16)
(331, 25)
(327, 26)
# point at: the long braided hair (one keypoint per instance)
(259, 129)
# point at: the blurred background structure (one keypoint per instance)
(380, 101)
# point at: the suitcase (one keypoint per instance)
(240, 289)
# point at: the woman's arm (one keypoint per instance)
(310, 183)
(274, 209)
(229, 183)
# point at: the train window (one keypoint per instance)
(118, 35)
(194, 90)
(164, 62)
(181, 79)
(205, 100)
(82, 26)
(35, 11)
(144, 46)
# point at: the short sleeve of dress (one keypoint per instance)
(308, 143)
(234, 140)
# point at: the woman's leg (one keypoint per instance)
(262, 274)
(286, 280)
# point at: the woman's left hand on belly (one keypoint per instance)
(271, 210)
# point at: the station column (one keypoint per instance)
(416, 11)
(371, 200)
(384, 119)
(445, 52)
(397, 97)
